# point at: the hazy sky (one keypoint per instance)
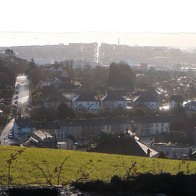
(98, 15)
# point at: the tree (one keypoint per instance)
(86, 76)
(32, 64)
(9, 52)
(121, 76)
(64, 111)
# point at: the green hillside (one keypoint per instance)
(24, 169)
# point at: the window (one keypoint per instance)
(62, 135)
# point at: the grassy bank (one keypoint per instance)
(29, 166)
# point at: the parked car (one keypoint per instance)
(16, 97)
(10, 136)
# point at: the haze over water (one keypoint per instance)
(179, 40)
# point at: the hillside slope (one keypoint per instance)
(24, 170)
(105, 54)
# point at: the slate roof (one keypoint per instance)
(146, 97)
(113, 97)
(120, 145)
(24, 123)
(159, 119)
(92, 121)
(55, 98)
(86, 97)
(48, 125)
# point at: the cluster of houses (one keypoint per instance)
(92, 103)
(145, 99)
(70, 133)
(66, 132)
(167, 92)
(93, 127)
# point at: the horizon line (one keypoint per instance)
(133, 32)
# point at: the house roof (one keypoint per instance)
(146, 97)
(48, 125)
(145, 148)
(158, 119)
(120, 145)
(24, 123)
(92, 121)
(55, 98)
(69, 96)
(86, 97)
(176, 98)
(113, 97)
(41, 134)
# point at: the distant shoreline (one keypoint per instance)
(174, 40)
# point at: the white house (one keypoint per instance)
(91, 126)
(113, 101)
(22, 128)
(147, 126)
(86, 102)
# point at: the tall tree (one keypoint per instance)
(9, 52)
(121, 76)
(64, 111)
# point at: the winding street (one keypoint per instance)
(21, 95)
(4, 134)
(20, 104)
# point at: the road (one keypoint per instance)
(21, 95)
(20, 105)
(4, 134)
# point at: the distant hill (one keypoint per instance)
(105, 54)
(51, 53)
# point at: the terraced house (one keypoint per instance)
(146, 126)
(112, 100)
(92, 127)
(86, 102)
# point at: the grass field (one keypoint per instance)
(98, 166)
